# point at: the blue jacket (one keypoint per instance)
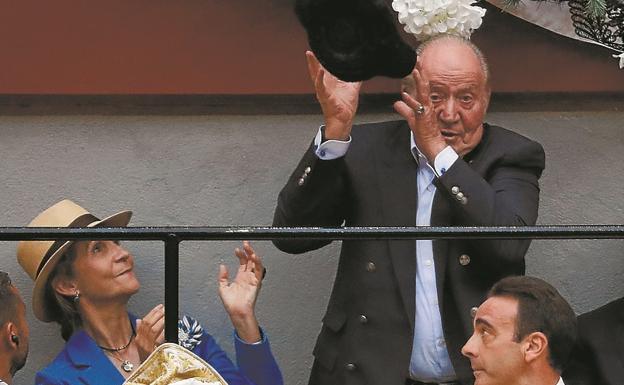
(82, 362)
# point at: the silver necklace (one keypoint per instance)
(125, 365)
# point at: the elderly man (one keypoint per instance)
(523, 334)
(598, 358)
(401, 310)
(13, 332)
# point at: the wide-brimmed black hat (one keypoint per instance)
(355, 39)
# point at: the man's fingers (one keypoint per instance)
(422, 87)
(404, 110)
(313, 65)
(411, 102)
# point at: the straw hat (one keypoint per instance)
(38, 258)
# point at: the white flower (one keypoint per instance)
(621, 56)
(426, 18)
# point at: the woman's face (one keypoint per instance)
(104, 271)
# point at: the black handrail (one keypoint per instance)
(172, 236)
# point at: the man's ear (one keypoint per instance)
(64, 286)
(8, 331)
(535, 346)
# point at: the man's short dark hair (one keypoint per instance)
(8, 299)
(541, 309)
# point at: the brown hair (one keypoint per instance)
(62, 309)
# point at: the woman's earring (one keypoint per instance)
(76, 297)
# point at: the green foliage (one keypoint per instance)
(596, 8)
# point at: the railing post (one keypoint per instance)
(172, 273)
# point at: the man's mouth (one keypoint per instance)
(448, 134)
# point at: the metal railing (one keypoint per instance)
(172, 236)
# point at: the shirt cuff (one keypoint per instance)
(263, 339)
(330, 149)
(444, 160)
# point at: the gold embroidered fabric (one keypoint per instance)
(171, 364)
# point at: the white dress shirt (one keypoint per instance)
(430, 361)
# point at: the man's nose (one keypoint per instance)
(468, 349)
(448, 111)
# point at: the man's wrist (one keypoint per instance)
(336, 131)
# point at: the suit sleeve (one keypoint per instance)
(263, 371)
(508, 195)
(313, 196)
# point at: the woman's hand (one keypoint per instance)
(150, 332)
(239, 296)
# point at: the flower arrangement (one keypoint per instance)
(426, 18)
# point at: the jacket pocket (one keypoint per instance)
(327, 343)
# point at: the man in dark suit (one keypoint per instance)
(400, 311)
(598, 358)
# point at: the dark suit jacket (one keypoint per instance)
(598, 358)
(368, 328)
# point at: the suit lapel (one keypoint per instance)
(397, 180)
(94, 368)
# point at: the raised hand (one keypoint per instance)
(338, 99)
(239, 296)
(150, 331)
(419, 112)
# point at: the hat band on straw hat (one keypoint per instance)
(81, 221)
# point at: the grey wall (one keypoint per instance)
(227, 170)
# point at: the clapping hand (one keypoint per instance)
(239, 296)
(150, 331)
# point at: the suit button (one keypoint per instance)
(301, 181)
(370, 267)
(454, 190)
(473, 311)
(363, 319)
(464, 259)
(463, 201)
(307, 170)
(350, 367)
(459, 196)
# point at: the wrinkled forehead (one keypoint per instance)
(451, 58)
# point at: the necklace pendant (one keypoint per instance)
(127, 366)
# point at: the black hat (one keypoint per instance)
(355, 39)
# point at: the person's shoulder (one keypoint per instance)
(511, 148)
(500, 134)
(61, 367)
(604, 315)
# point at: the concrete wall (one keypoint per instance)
(227, 170)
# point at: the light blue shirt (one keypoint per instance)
(430, 361)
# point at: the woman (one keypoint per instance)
(85, 286)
